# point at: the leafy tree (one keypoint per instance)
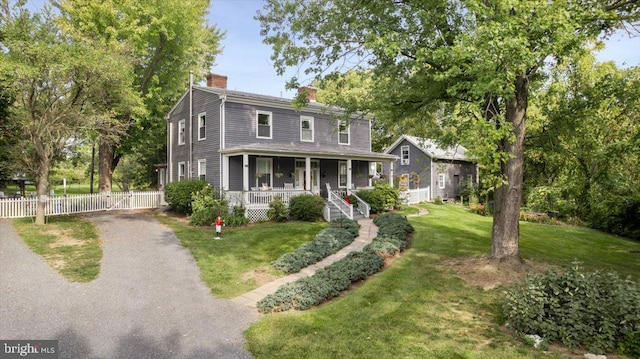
(59, 86)
(460, 67)
(164, 40)
(584, 138)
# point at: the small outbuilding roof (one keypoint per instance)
(432, 149)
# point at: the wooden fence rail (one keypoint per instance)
(70, 204)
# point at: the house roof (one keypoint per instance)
(293, 151)
(432, 149)
(264, 100)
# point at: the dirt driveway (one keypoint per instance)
(148, 301)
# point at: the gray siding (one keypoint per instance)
(455, 172)
(241, 129)
(419, 162)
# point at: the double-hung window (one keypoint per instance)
(343, 132)
(404, 155)
(306, 128)
(263, 124)
(264, 168)
(181, 132)
(181, 171)
(202, 134)
(202, 169)
(342, 174)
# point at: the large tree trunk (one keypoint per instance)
(42, 184)
(508, 197)
(107, 162)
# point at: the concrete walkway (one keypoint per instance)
(368, 231)
(148, 301)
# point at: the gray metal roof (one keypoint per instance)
(431, 148)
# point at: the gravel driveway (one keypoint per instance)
(148, 301)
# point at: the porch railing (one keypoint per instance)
(337, 200)
(261, 198)
(73, 204)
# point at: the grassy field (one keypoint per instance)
(68, 243)
(235, 264)
(419, 307)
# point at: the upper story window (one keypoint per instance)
(202, 126)
(202, 169)
(264, 126)
(181, 171)
(181, 132)
(404, 155)
(343, 132)
(306, 128)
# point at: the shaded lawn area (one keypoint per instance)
(224, 264)
(69, 244)
(419, 308)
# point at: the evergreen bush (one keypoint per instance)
(207, 205)
(278, 211)
(179, 194)
(306, 207)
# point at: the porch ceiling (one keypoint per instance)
(299, 151)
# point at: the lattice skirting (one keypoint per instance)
(257, 214)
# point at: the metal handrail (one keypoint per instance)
(363, 207)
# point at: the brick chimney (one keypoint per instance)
(309, 91)
(217, 81)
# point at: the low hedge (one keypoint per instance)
(328, 282)
(325, 243)
(325, 284)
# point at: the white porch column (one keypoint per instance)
(307, 175)
(349, 179)
(391, 173)
(245, 172)
(225, 173)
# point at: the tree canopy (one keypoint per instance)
(474, 59)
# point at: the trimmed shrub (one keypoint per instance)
(278, 211)
(324, 244)
(350, 225)
(179, 194)
(326, 283)
(374, 198)
(391, 222)
(595, 310)
(306, 207)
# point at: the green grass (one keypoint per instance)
(68, 243)
(223, 262)
(418, 308)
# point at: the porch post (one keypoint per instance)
(391, 173)
(225, 173)
(307, 175)
(349, 180)
(245, 172)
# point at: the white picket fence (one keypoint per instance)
(413, 196)
(70, 204)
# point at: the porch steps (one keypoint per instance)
(335, 213)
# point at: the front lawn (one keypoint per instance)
(237, 263)
(419, 307)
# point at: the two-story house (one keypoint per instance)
(243, 142)
(425, 164)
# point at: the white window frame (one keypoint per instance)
(258, 113)
(311, 128)
(202, 123)
(202, 169)
(182, 129)
(267, 162)
(182, 169)
(470, 178)
(441, 180)
(346, 131)
(342, 165)
(404, 161)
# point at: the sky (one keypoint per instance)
(245, 59)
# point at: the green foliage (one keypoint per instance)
(206, 206)
(237, 217)
(374, 198)
(180, 194)
(438, 200)
(345, 223)
(306, 207)
(618, 215)
(327, 242)
(326, 283)
(630, 344)
(278, 211)
(595, 310)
